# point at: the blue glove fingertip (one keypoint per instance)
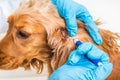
(71, 24)
(93, 31)
(96, 37)
(72, 33)
(71, 27)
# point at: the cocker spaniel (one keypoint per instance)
(37, 36)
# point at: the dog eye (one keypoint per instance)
(22, 34)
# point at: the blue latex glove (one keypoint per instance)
(71, 10)
(81, 68)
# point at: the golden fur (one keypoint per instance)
(37, 35)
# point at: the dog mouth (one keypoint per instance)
(7, 65)
(7, 62)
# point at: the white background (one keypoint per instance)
(108, 11)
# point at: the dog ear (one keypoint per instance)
(61, 47)
(61, 44)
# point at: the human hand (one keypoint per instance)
(70, 10)
(78, 67)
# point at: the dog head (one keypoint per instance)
(36, 35)
(26, 42)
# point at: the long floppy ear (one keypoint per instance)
(60, 42)
(62, 45)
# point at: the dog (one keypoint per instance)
(37, 36)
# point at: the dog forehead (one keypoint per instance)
(28, 25)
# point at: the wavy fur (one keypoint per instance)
(37, 36)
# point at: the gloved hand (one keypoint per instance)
(81, 68)
(70, 10)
